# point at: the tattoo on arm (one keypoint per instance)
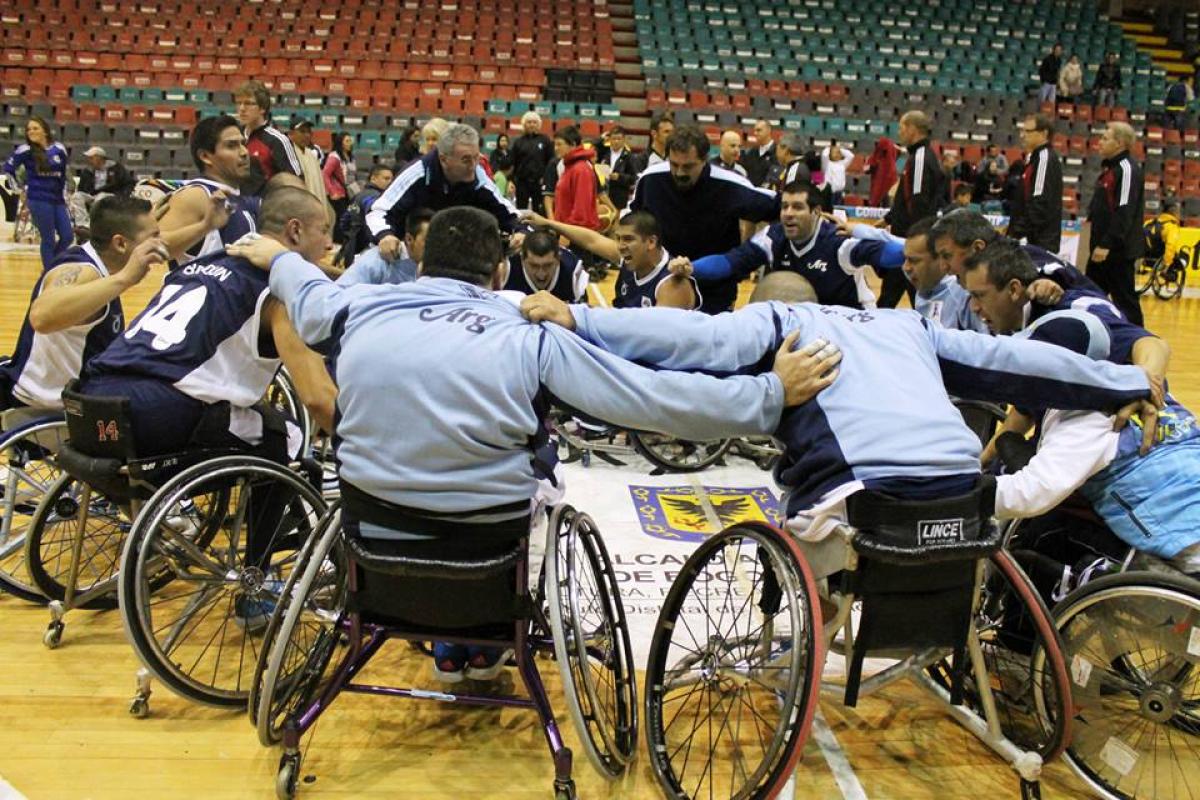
(68, 275)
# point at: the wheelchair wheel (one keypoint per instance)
(50, 542)
(1144, 271)
(26, 476)
(591, 641)
(1168, 280)
(193, 600)
(677, 455)
(1133, 643)
(1026, 668)
(282, 395)
(735, 665)
(297, 650)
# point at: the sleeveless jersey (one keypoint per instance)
(634, 292)
(200, 334)
(569, 282)
(243, 220)
(44, 363)
(831, 263)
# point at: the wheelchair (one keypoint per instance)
(346, 589)
(736, 662)
(583, 439)
(28, 440)
(167, 538)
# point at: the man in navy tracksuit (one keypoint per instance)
(922, 191)
(1115, 213)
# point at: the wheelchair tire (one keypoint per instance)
(1027, 671)
(1132, 642)
(48, 545)
(591, 641)
(1143, 273)
(283, 396)
(27, 477)
(677, 455)
(298, 647)
(773, 652)
(184, 573)
(1168, 280)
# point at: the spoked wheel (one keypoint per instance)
(1131, 640)
(295, 661)
(678, 455)
(204, 567)
(1144, 270)
(591, 641)
(51, 542)
(282, 395)
(735, 666)
(25, 477)
(1026, 670)
(1168, 280)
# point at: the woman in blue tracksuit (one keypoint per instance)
(45, 163)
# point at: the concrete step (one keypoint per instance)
(630, 86)
(625, 39)
(631, 104)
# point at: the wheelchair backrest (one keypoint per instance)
(900, 531)
(100, 427)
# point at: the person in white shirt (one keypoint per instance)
(835, 159)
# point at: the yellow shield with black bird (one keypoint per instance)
(691, 513)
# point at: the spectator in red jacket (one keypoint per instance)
(576, 192)
(881, 166)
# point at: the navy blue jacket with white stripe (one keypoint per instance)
(423, 185)
(1037, 208)
(839, 437)
(1118, 207)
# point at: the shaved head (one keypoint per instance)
(786, 287)
(283, 203)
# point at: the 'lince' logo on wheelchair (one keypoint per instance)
(939, 531)
(107, 431)
(687, 513)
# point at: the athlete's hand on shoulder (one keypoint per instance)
(681, 266)
(545, 307)
(1044, 291)
(149, 252)
(805, 372)
(258, 250)
(1147, 414)
(216, 214)
(389, 248)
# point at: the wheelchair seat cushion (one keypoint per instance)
(901, 531)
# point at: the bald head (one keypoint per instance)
(284, 203)
(786, 287)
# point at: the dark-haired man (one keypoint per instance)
(75, 309)
(700, 208)
(210, 211)
(645, 278)
(465, 485)
(805, 243)
(271, 151)
(541, 265)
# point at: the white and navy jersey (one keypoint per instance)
(44, 363)
(243, 220)
(568, 284)
(202, 333)
(635, 292)
(949, 304)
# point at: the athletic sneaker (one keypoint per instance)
(252, 614)
(486, 663)
(448, 662)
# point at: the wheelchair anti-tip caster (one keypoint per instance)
(564, 790)
(288, 776)
(139, 707)
(53, 635)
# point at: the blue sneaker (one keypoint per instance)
(448, 662)
(252, 613)
(486, 663)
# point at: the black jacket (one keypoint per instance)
(1118, 207)
(1108, 76)
(1037, 205)
(1048, 71)
(622, 178)
(119, 180)
(530, 155)
(758, 167)
(922, 189)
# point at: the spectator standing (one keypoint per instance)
(409, 149)
(622, 167)
(921, 192)
(501, 156)
(431, 133)
(1048, 74)
(1179, 96)
(662, 125)
(1116, 211)
(300, 134)
(338, 178)
(1070, 80)
(699, 208)
(881, 166)
(792, 167)
(761, 160)
(1037, 203)
(835, 160)
(730, 152)
(271, 152)
(576, 191)
(1108, 81)
(45, 163)
(531, 152)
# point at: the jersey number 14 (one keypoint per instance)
(169, 317)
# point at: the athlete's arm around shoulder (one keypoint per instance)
(191, 213)
(677, 292)
(73, 294)
(307, 368)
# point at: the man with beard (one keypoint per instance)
(699, 208)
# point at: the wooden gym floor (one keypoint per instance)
(67, 733)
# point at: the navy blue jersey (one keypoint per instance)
(242, 220)
(1051, 266)
(44, 363)
(1122, 333)
(635, 292)
(833, 264)
(200, 333)
(568, 284)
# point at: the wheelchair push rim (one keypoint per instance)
(27, 476)
(748, 685)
